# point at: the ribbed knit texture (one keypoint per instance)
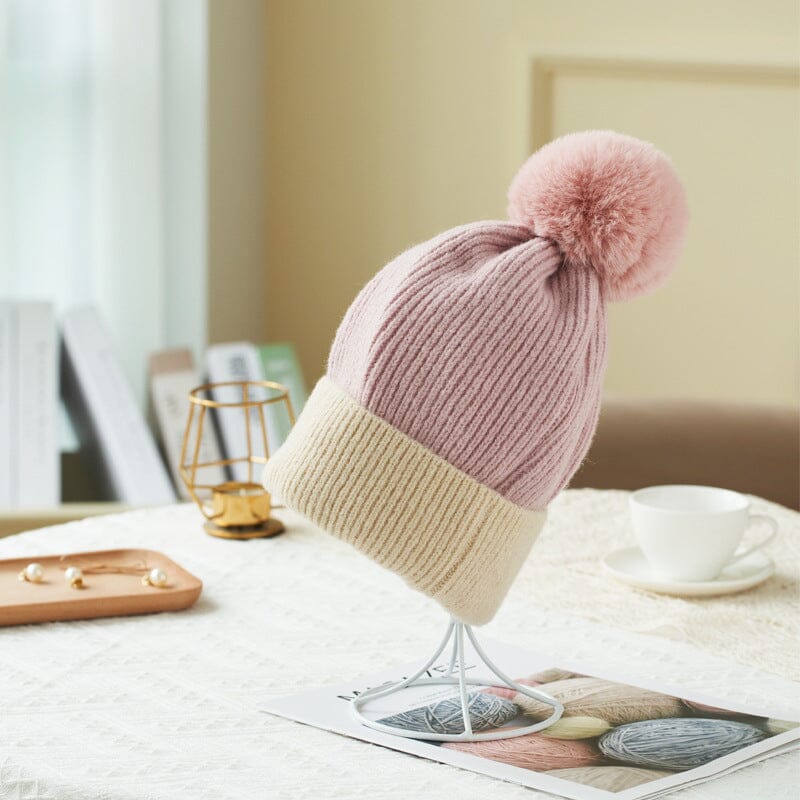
(482, 347)
(367, 483)
(463, 385)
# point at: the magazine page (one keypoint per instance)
(616, 739)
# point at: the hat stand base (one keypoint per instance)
(268, 528)
(456, 631)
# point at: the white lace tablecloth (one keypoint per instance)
(164, 706)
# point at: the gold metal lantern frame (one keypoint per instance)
(227, 490)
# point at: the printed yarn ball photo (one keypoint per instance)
(485, 711)
(615, 703)
(776, 726)
(577, 728)
(507, 691)
(678, 744)
(703, 710)
(533, 751)
(551, 675)
(612, 779)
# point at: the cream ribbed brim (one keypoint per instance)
(362, 480)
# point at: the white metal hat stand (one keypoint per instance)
(456, 631)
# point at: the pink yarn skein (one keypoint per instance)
(534, 751)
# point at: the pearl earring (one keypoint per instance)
(33, 573)
(74, 577)
(155, 577)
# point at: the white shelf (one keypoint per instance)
(17, 520)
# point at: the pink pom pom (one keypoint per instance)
(609, 201)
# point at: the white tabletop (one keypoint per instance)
(164, 706)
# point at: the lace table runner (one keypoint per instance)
(760, 627)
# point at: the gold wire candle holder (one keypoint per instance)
(227, 490)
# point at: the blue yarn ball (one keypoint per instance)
(485, 711)
(677, 743)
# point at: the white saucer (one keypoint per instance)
(629, 566)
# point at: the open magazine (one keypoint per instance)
(617, 738)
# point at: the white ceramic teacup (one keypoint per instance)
(690, 533)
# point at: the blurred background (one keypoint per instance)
(205, 171)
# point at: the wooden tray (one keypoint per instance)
(104, 595)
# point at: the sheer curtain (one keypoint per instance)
(103, 165)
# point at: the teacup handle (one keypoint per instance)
(764, 518)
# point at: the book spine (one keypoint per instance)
(36, 430)
(280, 365)
(106, 415)
(239, 361)
(170, 394)
(8, 380)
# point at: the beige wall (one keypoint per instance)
(237, 185)
(390, 121)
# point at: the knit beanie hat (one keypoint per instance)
(463, 385)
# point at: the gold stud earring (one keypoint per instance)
(33, 573)
(155, 577)
(74, 577)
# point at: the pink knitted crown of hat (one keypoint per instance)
(463, 385)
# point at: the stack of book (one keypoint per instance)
(173, 375)
(29, 459)
(118, 446)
